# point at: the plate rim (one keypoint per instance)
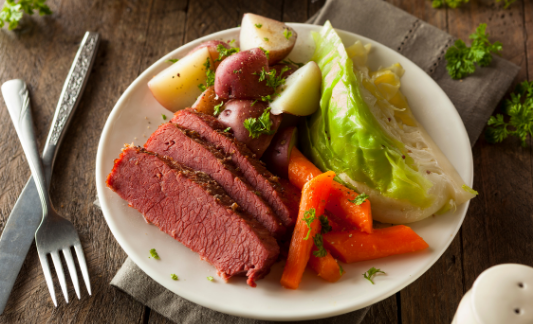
(101, 174)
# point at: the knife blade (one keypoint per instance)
(26, 215)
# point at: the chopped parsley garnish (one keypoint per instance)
(309, 217)
(289, 61)
(209, 73)
(272, 80)
(469, 190)
(341, 270)
(359, 199)
(173, 277)
(461, 60)
(258, 25)
(319, 243)
(267, 52)
(172, 61)
(253, 103)
(371, 273)
(520, 110)
(164, 116)
(223, 51)
(258, 126)
(326, 228)
(227, 129)
(154, 254)
(287, 33)
(12, 12)
(202, 87)
(266, 39)
(267, 98)
(210, 278)
(216, 109)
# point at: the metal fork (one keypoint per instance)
(55, 233)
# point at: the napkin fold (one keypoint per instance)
(475, 98)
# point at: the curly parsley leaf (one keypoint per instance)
(209, 73)
(223, 51)
(267, 52)
(462, 60)
(520, 110)
(172, 61)
(371, 273)
(287, 33)
(258, 25)
(273, 80)
(359, 199)
(259, 126)
(227, 130)
(326, 228)
(216, 109)
(173, 276)
(154, 254)
(13, 12)
(319, 243)
(210, 278)
(309, 217)
(164, 116)
(341, 270)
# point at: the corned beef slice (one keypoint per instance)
(187, 147)
(253, 170)
(195, 210)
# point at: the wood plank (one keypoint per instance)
(528, 29)
(385, 311)
(50, 50)
(295, 11)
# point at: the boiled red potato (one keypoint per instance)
(271, 35)
(251, 123)
(300, 95)
(237, 77)
(176, 87)
(207, 102)
(213, 51)
(278, 153)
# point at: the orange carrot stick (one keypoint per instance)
(326, 267)
(314, 196)
(355, 245)
(302, 170)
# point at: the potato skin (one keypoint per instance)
(234, 115)
(207, 101)
(212, 47)
(278, 153)
(237, 77)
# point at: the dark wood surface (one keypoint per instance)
(135, 33)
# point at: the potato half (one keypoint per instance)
(274, 36)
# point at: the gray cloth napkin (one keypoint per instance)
(475, 98)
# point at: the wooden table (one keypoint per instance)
(135, 33)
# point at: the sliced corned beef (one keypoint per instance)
(195, 210)
(253, 170)
(187, 147)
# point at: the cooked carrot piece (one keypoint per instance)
(326, 267)
(355, 245)
(340, 200)
(315, 193)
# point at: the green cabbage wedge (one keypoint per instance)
(399, 166)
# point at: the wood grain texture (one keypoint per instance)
(135, 34)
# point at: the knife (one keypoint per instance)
(26, 216)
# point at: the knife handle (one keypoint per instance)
(17, 101)
(69, 99)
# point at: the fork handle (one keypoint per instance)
(17, 101)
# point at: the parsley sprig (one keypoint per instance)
(154, 254)
(371, 273)
(462, 60)
(287, 33)
(324, 222)
(210, 75)
(520, 110)
(223, 51)
(291, 62)
(273, 80)
(309, 217)
(259, 126)
(319, 243)
(216, 109)
(359, 199)
(12, 11)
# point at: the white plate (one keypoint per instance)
(137, 115)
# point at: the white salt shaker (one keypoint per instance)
(501, 294)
